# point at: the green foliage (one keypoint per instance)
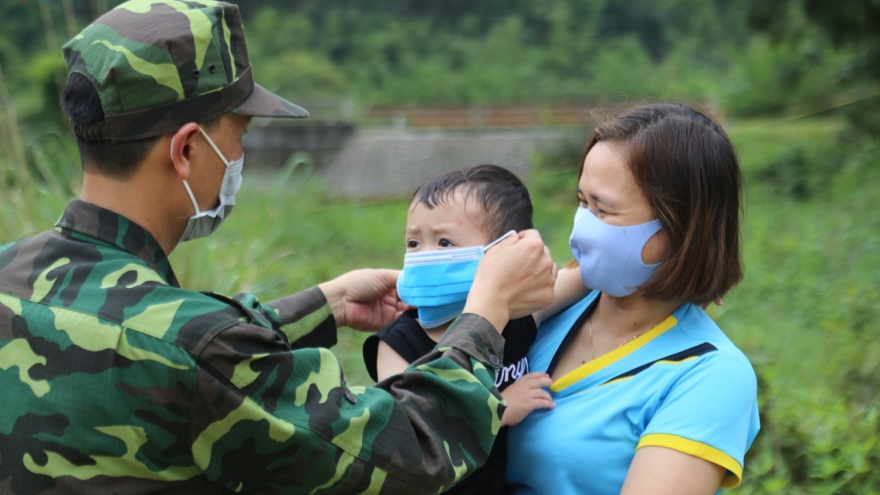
(294, 68)
(808, 309)
(400, 52)
(806, 313)
(807, 316)
(35, 193)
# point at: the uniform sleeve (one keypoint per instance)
(270, 419)
(711, 412)
(305, 318)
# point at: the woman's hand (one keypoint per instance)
(524, 396)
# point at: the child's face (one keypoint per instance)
(456, 223)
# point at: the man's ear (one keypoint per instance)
(182, 144)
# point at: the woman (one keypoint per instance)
(651, 397)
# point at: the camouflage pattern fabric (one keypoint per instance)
(158, 64)
(115, 380)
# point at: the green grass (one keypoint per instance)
(806, 313)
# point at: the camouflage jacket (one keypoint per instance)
(113, 379)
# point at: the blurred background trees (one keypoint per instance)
(751, 58)
(796, 82)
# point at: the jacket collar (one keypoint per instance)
(91, 223)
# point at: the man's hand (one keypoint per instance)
(524, 396)
(364, 299)
(514, 279)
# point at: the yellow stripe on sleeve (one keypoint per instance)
(731, 479)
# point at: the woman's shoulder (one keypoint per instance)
(721, 353)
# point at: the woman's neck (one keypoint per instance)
(617, 319)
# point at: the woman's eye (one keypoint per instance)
(412, 244)
(445, 243)
(583, 203)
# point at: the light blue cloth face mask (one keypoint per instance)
(438, 282)
(610, 257)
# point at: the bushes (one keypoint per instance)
(806, 314)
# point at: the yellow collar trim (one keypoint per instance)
(626, 349)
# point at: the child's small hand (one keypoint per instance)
(524, 396)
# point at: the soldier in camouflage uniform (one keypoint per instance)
(113, 379)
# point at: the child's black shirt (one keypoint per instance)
(409, 340)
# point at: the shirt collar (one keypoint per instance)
(91, 223)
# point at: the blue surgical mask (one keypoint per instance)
(438, 282)
(610, 257)
(204, 223)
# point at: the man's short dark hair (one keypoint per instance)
(499, 191)
(82, 104)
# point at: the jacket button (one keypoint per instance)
(350, 396)
(494, 360)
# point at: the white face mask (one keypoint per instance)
(204, 223)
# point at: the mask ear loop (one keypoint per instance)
(496, 241)
(216, 149)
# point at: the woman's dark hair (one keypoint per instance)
(686, 166)
(82, 104)
(499, 191)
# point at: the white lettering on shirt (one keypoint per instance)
(512, 372)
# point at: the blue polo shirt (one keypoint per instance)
(683, 385)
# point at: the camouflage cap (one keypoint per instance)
(158, 64)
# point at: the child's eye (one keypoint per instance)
(445, 243)
(583, 203)
(412, 244)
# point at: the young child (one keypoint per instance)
(452, 220)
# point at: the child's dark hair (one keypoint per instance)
(499, 191)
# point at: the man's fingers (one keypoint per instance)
(388, 276)
(530, 234)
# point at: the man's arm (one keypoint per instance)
(515, 278)
(266, 418)
(270, 418)
(362, 299)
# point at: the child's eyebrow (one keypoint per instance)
(442, 228)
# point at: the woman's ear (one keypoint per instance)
(182, 149)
